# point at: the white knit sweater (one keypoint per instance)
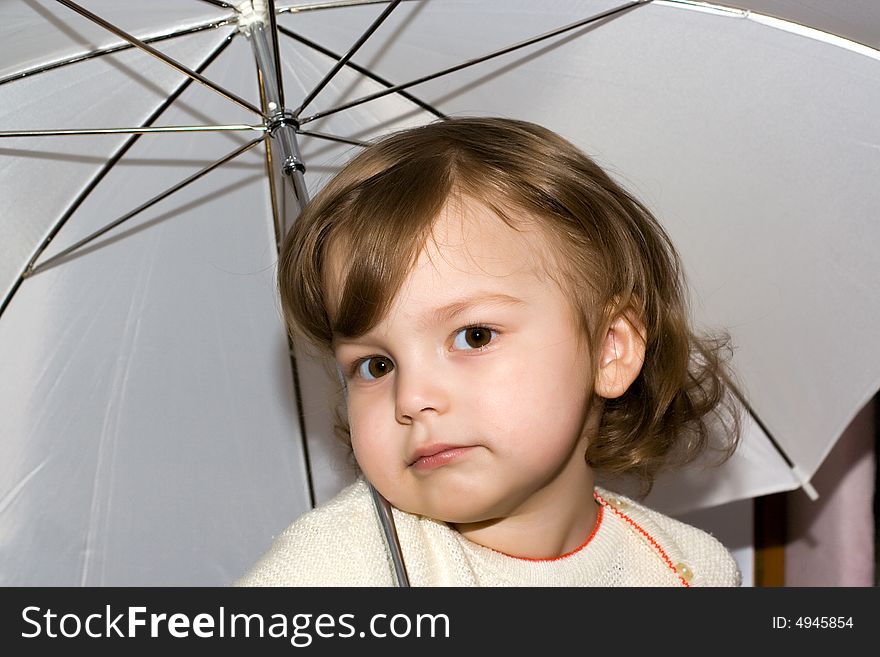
(340, 543)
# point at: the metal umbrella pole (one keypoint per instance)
(282, 127)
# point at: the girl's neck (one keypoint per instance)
(554, 522)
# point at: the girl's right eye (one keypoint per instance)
(373, 367)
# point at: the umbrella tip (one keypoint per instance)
(804, 480)
(250, 13)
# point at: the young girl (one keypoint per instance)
(509, 324)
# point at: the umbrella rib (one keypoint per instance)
(99, 176)
(339, 4)
(479, 60)
(151, 202)
(336, 138)
(363, 71)
(109, 50)
(760, 423)
(751, 411)
(133, 131)
(161, 56)
(342, 61)
(297, 391)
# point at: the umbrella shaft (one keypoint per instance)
(266, 64)
(282, 125)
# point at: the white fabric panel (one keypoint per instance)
(146, 399)
(857, 20)
(40, 178)
(756, 466)
(37, 32)
(332, 464)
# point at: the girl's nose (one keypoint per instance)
(420, 392)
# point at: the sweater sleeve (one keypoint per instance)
(710, 562)
(701, 559)
(337, 544)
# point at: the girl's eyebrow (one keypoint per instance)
(449, 311)
(455, 308)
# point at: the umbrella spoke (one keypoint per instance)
(161, 56)
(344, 59)
(110, 50)
(218, 3)
(479, 60)
(151, 202)
(324, 135)
(132, 131)
(360, 69)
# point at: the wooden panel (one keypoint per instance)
(770, 539)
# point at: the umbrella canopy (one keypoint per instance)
(153, 426)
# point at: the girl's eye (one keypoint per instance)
(474, 337)
(374, 367)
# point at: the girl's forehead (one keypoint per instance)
(467, 247)
(474, 238)
(473, 255)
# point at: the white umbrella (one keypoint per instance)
(151, 430)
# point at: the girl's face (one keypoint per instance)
(467, 401)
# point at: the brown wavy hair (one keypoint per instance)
(611, 256)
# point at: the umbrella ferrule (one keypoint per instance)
(280, 118)
(292, 164)
(282, 126)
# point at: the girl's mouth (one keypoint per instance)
(435, 456)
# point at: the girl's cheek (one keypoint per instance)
(364, 413)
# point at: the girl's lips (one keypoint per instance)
(441, 457)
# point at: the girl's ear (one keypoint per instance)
(621, 356)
